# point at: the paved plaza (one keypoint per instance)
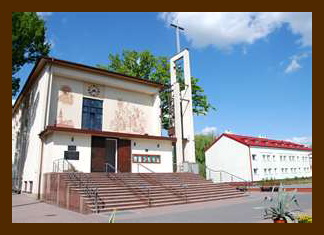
(25, 209)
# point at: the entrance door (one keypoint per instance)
(103, 150)
(98, 153)
(124, 155)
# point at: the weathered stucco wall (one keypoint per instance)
(124, 110)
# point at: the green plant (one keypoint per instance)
(304, 218)
(282, 206)
(112, 217)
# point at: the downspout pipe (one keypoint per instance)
(46, 120)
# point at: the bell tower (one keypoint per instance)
(183, 114)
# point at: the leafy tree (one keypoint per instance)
(201, 143)
(156, 68)
(28, 42)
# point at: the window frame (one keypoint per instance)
(92, 114)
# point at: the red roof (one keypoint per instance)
(264, 142)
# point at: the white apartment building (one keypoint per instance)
(254, 159)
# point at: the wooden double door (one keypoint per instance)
(110, 154)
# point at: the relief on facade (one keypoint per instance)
(62, 122)
(128, 118)
(65, 95)
(94, 90)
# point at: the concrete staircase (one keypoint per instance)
(123, 191)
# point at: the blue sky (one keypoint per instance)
(255, 68)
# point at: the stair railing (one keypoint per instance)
(62, 165)
(225, 177)
(138, 189)
(182, 192)
(82, 180)
(86, 185)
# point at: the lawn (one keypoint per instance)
(302, 180)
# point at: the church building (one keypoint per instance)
(96, 119)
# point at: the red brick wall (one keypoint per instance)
(57, 191)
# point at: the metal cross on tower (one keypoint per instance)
(182, 105)
(177, 35)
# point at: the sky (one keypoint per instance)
(255, 67)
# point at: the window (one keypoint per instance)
(265, 171)
(269, 170)
(253, 157)
(138, 158)
(281, 158)
(275, 170)
(255, 171)
(268, 157)
(274, 158)
(264, 157)
(92, 114)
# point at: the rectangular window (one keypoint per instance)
(253, 157)
(255, 170)
(146, 158)
(92, 114)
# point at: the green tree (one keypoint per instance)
(201, 143)
(28, 42)
(156, 68)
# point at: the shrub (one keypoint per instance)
(304, 218)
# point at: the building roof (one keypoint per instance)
(42, 61)
(262, 142)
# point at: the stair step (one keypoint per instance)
(125, 191)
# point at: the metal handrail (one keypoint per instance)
(246, 182)
(57, 163)
(210, 169)
(183, 186)
(81, 179)
(84, 182)
(107, 165)
(133, 189)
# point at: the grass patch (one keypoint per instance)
(296, 180)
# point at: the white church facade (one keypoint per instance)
(97, 120)
(254, 158)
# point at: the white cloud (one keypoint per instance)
(301, 140)
(209, 130)
(225, 29)
(44, 15)
(294, 64)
